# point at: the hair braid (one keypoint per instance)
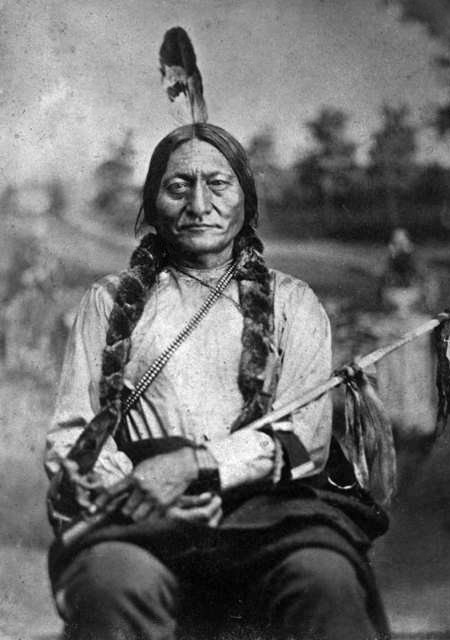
(134, 285)
(256, 298)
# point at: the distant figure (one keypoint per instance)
(402, 268)
(406, 281)
(406, 378)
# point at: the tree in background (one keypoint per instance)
(271, 179)
(325, 174)
(117, 198)
(432, 191)
(393, 159)
(326, 192)
(442, 120)
(435, 16)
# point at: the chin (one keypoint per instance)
(201, 246)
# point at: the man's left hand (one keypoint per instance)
(160, 481)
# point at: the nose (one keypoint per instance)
(200, 201)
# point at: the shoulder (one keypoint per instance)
(286, 283)
(99, 298)
(295, 302)
(106, 286)
(291, 290)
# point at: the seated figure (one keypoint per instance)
(223, 525)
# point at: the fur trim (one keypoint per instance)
(257, 336)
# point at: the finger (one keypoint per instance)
(122, 485)
(143, 511)
(135, 499)
(102, 500)
(195, 514)
(194, 501)
(108, 504)
(113, 492)
(216, 501)
(201, 515)
(214, 521)
(105, 498)
(213, 507)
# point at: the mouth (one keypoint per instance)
(198, 227)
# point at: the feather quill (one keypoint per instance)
(181, 77)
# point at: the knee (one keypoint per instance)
(316, 593)
(316, 575)
(109, 574)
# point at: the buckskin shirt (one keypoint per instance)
(196, 395)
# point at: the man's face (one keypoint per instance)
(200, 203)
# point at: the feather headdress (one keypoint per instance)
(181, 77)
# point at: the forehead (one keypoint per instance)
(197, 156)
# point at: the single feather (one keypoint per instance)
(181, 77)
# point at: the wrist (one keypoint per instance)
(191, 464)
(207, 472)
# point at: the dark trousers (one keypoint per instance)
(120, 591)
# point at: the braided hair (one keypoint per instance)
(150, 257)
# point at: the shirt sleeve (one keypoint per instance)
(78, 398)
(301, 440)
(305, 348)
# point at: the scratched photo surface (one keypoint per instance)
(344, 109)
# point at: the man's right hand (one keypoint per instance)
(203, 509)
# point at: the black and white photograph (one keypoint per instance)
(225, 319)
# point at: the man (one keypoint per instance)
(223, 523)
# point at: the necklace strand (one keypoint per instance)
(151, 373)
(212, 287)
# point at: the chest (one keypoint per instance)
(213, 348)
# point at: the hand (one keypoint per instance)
(159, 482)
(244, 457)
(70, 490)
(203, 509)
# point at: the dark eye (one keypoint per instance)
(218, 185)
(177, 188)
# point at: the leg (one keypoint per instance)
(117, 591)
(314, 594)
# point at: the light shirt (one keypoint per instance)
(197, 394)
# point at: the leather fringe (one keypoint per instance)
(368, 441)
(442, 344)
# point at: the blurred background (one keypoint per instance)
(344, 108)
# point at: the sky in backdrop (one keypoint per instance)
(76, 74)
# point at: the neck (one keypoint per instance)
(203, 261)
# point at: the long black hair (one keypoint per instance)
(223, 142)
